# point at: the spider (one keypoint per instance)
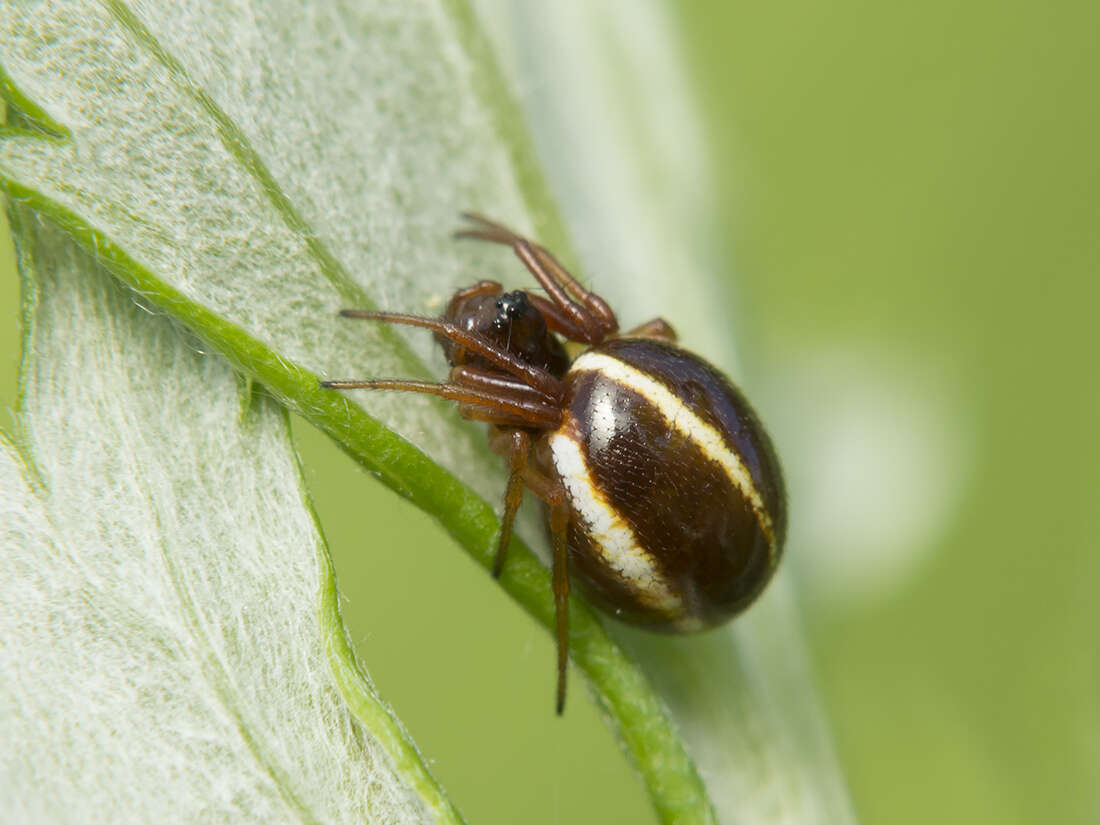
(664, 496)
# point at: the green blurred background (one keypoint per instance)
(910, 201)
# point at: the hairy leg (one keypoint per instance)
(531, 375)
(515, 446)
(552, 492)
(657, 328)
(536, 414)
(589, 315)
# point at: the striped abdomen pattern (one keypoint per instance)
(677, 504)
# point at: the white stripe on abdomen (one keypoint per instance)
(685, 421)
(610, 534)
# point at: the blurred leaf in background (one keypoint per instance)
(912, 194)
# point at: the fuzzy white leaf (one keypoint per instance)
(163, 591)
(274, 163)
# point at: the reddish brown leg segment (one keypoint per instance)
(540, 414)
(475, 412)
(559, 521)
(582, 312)
(531, 375)
(657, 328)
(556, 319)
(480, 288)
(515, 445)
(502, 386)
(553, 493)
(588, 314)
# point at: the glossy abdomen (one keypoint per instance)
(678, 511)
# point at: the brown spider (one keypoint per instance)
(664, 494)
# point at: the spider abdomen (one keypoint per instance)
(676, 498)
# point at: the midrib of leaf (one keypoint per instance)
(358, 433)
(646, 732)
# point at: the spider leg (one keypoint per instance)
(505, 386)
(500, 386)
(657, 328)
(480, 288)
(552, 492)
(534, 414)
(476, 412)
(515, 446)
(588, 313)
(557, 320)
(531, 375)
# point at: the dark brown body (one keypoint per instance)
(705, 538)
